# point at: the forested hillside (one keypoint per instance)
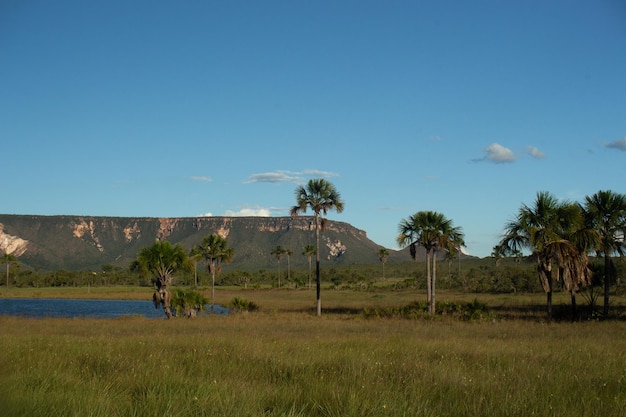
(87, 243)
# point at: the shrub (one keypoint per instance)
(240, 304)
(188, 302)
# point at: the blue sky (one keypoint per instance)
(187, 108)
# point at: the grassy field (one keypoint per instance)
(294, 364)
(284, 361)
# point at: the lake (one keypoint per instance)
(55, 307)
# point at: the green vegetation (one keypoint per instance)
(320, 196)
(294, 364)
(215, 251)
(434, 232)
(161, 260)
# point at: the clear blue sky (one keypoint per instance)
(187, 108)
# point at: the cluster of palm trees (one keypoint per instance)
(560, 235)
(279, 251)
(433, 232)
(163, 259)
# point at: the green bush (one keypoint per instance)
(240, 304)
(188, 302)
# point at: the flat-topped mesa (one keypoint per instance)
(88, 242)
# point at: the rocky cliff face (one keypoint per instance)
(87, 243)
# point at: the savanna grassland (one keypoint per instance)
(283, 361)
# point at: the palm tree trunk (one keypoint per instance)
(549, 296)
(607, 283)
(429, 293)
(318, 284)
(574, 307)
(434, 279)
(310, 259)
(212, 286)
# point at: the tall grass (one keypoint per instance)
(294, 364)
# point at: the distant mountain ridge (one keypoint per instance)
(88, 242)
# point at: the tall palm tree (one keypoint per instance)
(320, 196)
(553, 231)
(383, 254)
(215, 250)
(288, 252)
(8, 259)
(278, 251)
(434, 232)
(162, 260)
(309, 251)
(605, 212)
(195, 255)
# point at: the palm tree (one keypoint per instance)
(8, 259)
(162, 260)
(320, 196)
(605, 212)
(288, 252)
(278, 251)
(215, 250)
(434, 232)
(554, 232)
(383, 254)
(195, 254)
(309, 251)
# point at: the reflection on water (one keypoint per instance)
(53, 307)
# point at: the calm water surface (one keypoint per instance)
(53, 307)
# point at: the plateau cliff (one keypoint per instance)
(88, 242)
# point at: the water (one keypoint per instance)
(53, 307)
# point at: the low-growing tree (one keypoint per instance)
(162, 259)
(188, 302)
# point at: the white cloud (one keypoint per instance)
(498, 154)
(535, 152)
(277, 176)
(206, 215)
(617, 144)
(201, 178)
(317, 173)
(249, 212)
(287, 176)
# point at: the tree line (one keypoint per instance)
(558, 237)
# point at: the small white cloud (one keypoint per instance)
(617, 144)
(206, 215)
(288, 176)
(535, 152)
(498, 154)
(272, 177)
(317, 173)
(201, 178)
(249, 212)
